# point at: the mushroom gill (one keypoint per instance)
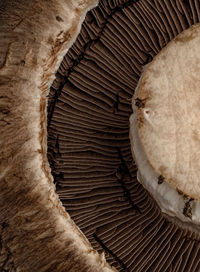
(88, 135)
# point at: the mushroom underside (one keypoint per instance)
(89, 149)
(89, 152)
(37, 234)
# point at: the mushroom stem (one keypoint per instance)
(164, 129)
(36, 232)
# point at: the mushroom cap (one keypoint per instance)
(37, 234)
(88, 139)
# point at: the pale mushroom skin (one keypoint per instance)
(36, 232)
(164, 128)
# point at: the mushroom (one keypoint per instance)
(164, 128)
(37, 234)
(88, 143)
(88, 135)
(89, 149)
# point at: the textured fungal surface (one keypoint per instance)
(88, 135)
(164, 127)
(36, 233)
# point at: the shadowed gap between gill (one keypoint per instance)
(116, 104)
(81, 56)
(60, 175)
(110, 252)
(121, 170)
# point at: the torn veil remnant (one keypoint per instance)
(166, 145)
(37, 234)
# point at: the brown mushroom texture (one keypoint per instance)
(89, 105)
(36, 232)
(88, 135)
